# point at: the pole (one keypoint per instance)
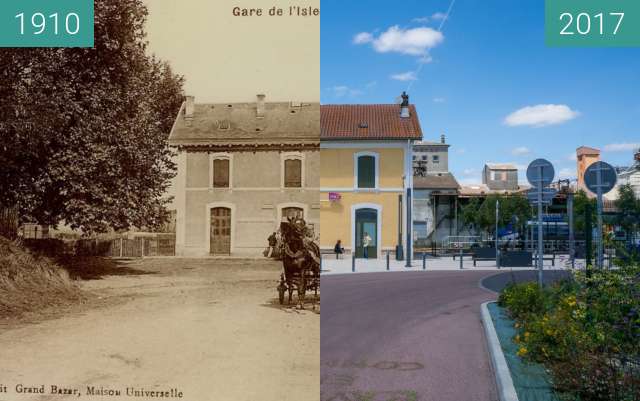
(399, 246)
(572, 238)
(460, 258)
(599, 239)
(353, 262)
(409, 255)
(424, 261)
(540, 259)
(497, 219)
(388, 260)
(588, 231)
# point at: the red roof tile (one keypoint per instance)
(368, 121)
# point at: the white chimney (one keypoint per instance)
(189, 105)
(443, 139)
(404, 106)
(260, 105)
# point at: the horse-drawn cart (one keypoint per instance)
(301, 262)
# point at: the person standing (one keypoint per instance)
(366, 241)
(273, 241)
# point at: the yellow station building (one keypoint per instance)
(366, 176)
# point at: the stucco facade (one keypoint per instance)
(366, 177)
(338, 175)
(237, 216)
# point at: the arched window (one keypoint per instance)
(366, 174)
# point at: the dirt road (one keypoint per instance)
(208, 329)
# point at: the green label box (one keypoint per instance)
(592, 23)
(46, 23)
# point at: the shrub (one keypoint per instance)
(586, 331)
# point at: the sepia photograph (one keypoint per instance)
(159, 203)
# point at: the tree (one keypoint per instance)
(514, 209)
(580, 202)
(84, 131)
(628, 206)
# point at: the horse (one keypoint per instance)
(300, 259)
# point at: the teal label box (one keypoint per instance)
(592, 23)
(46, 23)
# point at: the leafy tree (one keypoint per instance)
(83, 131)
(514, 209)
(628, 207)
(580, 202)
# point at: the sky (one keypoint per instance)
(225, 58)
(486, 80)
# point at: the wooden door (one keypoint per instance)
(220, 231)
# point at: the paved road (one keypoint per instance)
(207, 328)
(414, 336)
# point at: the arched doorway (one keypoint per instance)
(366, 223)
(292, 212)
(220, 231)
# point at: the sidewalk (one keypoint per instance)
(344, 266)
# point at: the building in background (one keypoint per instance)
(500, 176)
(242, 169)
(435, 200)
(585, 157)
(631, 175)
(366, 174)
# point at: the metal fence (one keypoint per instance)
(121, 247)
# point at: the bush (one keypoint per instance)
(586, 331)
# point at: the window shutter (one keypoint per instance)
(293, 173)
(366, 172)
(221, 173)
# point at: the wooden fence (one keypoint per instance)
(138, 247)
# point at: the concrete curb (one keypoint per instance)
(504, 382)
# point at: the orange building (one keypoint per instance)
(585, 156)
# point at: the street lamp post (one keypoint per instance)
(497, 219)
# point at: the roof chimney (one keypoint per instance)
(443, 139)
(404, 106)
(260, 105)
(189, 105)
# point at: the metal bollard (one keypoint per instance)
(388, 260)
(424, 261)
(460, 258)
(353, 262)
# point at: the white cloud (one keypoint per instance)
(420, 20)
(470, 171)
(439, 16)
(565, 173)
(520, 151)
(362, 37)
(414, 41)
(343, 90)
(461, 151)
(541, 115)
(439, 100)
(621, 147)
(572, 157)
(405, 76)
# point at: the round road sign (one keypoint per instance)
(608, 177)
(540, 173)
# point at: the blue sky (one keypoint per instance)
(488, 82)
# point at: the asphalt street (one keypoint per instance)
(412, 336)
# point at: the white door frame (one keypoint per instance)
(378, 209)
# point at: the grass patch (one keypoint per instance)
(29, 283)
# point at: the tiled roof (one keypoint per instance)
(368, 122)
(435, 181)
(501, 166)
(238, 124)
(585, 150)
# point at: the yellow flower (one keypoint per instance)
(522, 351)
(526, 335)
